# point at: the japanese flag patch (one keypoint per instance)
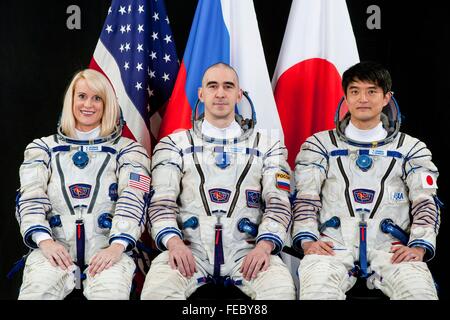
(283, 181)
(139, 181)
(428, 181)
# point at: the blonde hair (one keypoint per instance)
(100, 84)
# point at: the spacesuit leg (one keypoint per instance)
(42, 281)
(275, 283)
(324, 278)
(164, 283)
(402, 281)
(113, 283)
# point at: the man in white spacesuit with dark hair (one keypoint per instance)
(83, 199)
(210, 184)
(366, 203)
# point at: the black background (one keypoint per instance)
(39, 55)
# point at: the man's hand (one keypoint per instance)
(180, 257)
(324, 248)
(56, 253)
(404, 253)
(105, 258)
(257, 260)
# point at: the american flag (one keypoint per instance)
(139, 181)
(136, 51)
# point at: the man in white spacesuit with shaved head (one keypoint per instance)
(366, 203)
(210, 184)
(83, 199)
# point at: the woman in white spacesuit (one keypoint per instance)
(82, 198)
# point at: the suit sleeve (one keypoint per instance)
(133, 175)
(311, 166)
(32, 202)
(167, 173)
(277, 216)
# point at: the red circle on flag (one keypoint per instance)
(307, 95)
(430, 180)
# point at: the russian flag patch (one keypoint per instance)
(283, 181)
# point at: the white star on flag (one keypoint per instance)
(155, 35)
(153, 55)
(109, 29)
(140, 28)
(156, 16)
(122, 10)
(165, 77)
(140, 47)
(166, 57)
(127, 65)
(139, 67)
(167, 38)
(141, 9)
(138, 86)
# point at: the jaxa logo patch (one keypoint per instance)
(398, 197)
(219, 195)
(363, 196)
(253, 198)
(80, 190)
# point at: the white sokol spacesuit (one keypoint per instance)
(208, 192)
(372, 188)
(85, 194)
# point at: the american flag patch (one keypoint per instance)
(139, 181)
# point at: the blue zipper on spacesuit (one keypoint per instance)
(363, 249)
(218, 251)
(80, 242)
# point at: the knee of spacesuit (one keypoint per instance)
(113, 283)
(164, 283)
(323, 278)
(42, 281)
(275, 283)
(409, 281)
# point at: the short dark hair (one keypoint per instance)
(368, 71)
(223, 64)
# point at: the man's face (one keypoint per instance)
(220, 92)
(365, 102)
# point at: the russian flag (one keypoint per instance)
(318, 46)
(223, 31)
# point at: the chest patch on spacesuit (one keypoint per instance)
(80, 190)
(219, 195)
(253, 198)
(113, 192)
(363, 196)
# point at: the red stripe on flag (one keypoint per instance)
(178, 113)
(307, 95)
(126, 132)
